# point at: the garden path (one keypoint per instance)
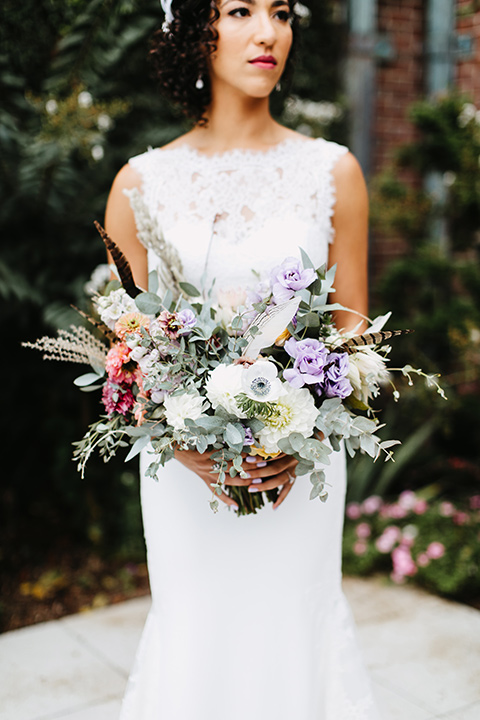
(423, 654)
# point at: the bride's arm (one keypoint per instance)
(349, 251)
(120, 224)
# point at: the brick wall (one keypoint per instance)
(467, 75)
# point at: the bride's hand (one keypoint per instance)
(263, 474)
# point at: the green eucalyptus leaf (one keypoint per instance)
(148, 303)
(87, 379)
(189, 289)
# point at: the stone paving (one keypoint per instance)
(423, 654)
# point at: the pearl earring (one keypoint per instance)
(278, 86)
(200, 84)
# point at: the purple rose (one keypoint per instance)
(188, 320)
(289, 277)
(310, 359)
(335, 382)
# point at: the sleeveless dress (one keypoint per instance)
(248, 619)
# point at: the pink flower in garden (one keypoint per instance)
(360, 547)
(435, 550)
(475, 502)
(420, 507)
(388, 538)
(407, 500)
(372, 504)
(446, 509)
(363, 530)
(423, 560)
(403, 563)
(396, 511)
(461, 518)
(353, 511)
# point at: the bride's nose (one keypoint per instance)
(265, 33)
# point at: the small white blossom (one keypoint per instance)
(97, 152)
(84, 99)
(51, 106)
(180, 407)
(224, 383)
(98, 279)
(104, 122)
(111, 307)
(469, 112)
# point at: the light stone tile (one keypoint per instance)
(392, 706)
(434, 684)
(46, 672)
(113, 632)
(472, 712)
(105, 711)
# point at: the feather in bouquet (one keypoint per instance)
(179, 370)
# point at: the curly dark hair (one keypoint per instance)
(180, 55)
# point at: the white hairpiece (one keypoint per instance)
(167, 9)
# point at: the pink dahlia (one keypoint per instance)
(117, 399)
(117, 358)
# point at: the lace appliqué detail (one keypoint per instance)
(241, 189)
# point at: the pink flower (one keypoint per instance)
(435, 550)
(360, 547)
(403, 563)
(446, 509)
(397, 578)
(117, 357)
(353, 511)
(372, 504)
(475, 502)
(117, 399)
(387, 539)
(423, 560)
(420, 507)
(407, 500)
(396, 511)
(461, 518)
(363, 530)
(170, 324)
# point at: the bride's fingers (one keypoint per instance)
(273, 482)
(282, 495)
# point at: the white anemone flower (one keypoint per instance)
(260, 382)
(180, 407)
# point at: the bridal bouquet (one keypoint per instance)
(262, 373)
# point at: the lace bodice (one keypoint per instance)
(242, 210)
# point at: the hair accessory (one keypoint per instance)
(200, 84)
(167, 9)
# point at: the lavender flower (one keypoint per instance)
(188, 319)
(335, 382)
(289, 277)
(249, 439)
(310, 359)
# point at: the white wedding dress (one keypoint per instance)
(248, 619)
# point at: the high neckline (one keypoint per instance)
(247, 153)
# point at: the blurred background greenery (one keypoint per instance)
(79, 99)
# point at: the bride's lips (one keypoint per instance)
(264, 61)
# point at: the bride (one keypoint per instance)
(248, 619)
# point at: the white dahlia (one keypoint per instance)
(296, 412)
(180, 407)
(224, 383)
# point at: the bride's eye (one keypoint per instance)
(239, 12)
(284, 15)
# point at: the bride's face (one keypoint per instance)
(254, 40)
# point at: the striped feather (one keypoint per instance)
(109, 334)
(376, 338)
(121, 262)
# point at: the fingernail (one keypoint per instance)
(253, 489)
(256, 481)
(235, 507)
(262, 464)
(251, 458)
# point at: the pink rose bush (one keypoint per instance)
(432, 543)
